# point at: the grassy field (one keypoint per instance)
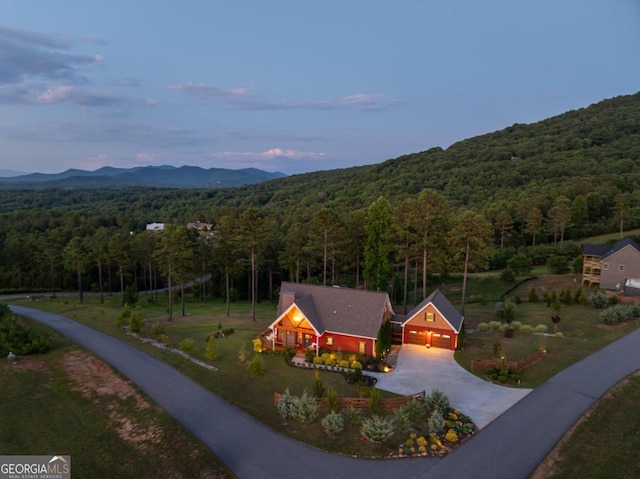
(583, 332)
(605, 443)
(69, 402)
(580, 325)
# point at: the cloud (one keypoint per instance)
(146, 157)
(367, 101)
(26, 54)
(244, 99)
(203, 91)
(270, 154)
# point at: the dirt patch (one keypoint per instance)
(29, 363)
(93, 376)
(95, 380)
(547, 468)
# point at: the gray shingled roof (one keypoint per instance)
(440, 301)
(339, 310)
(618, 246)
(605, 250)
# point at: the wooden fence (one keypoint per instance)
(482, 364)
(362, 404)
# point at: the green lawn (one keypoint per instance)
(65, 402)
(580, 325)
(583, 332)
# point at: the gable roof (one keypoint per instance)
(605, 250)
(619, 245)
(348, 311)
(441, 303)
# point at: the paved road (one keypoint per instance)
(510, 447)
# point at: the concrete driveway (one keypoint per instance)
(421, 369)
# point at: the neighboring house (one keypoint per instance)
(346, 319)
(333, 318)
(155, 226)
(610, 267)
(200, 226)
(434, 322)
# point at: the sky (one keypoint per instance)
(294, 85)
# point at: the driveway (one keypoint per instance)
(421, 369)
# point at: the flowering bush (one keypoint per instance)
(451, 436)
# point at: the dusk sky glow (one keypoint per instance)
(294, 86)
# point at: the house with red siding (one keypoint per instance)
(346, 319)
(328, 317)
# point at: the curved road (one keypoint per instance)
(510, 447)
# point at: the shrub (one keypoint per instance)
(618, 313)
(566, 297)
(435, 424)
(332, 423)
(376, 428)
(507, 275)
(494, 325)
(598, 299)
(318, 360)
(356, 365)
(136, 322)
(309, 355)
(164, 338)
(284, 405)
(318, 385)
(304, 408)
(123, 316)
(416, 410)
(401, 420)
(451, 436)
(186, 345)
(437, 400)
(256, 366)
(533, 295)
(353, 416)
(344, 363)
(483, 326)
(526, 328)
(157, 330)
(509, 312)
(541, 328)
(211, 353)
(333, 404)
(559, 335)
(375, 400)
(504, 327)
(516, 325)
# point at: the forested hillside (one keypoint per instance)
(527, 188)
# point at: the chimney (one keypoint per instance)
(287, 298)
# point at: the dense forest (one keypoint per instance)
(508, 198)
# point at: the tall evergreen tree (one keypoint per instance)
(377, 247)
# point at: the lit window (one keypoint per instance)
(429, 317)
(362, 347)
(330, 341)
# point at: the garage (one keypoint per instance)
(435, 322)
(441, 340)
(416, 337)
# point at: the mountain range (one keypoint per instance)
(148, 176)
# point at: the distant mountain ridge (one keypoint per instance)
(147, 176)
